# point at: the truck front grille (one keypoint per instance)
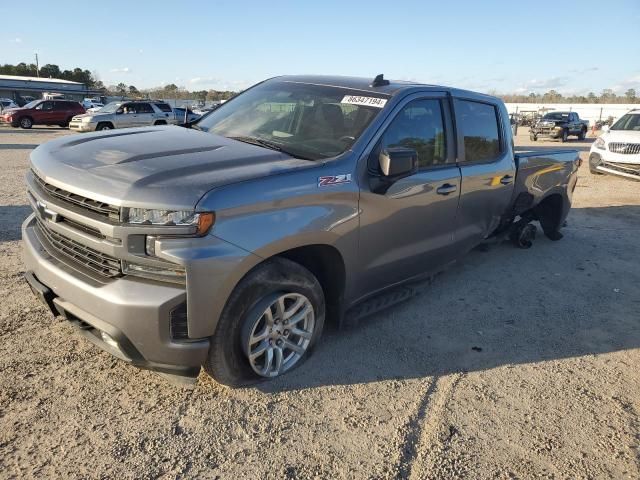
(101, 208)
(624, 148)
(62, 246)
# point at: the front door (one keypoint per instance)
(407, 227)
(45, 114)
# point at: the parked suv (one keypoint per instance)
(42, 112)
(617, 150)
(124, 114)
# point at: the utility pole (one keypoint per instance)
(37, 67)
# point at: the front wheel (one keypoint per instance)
(565, 136)
(104, 126)
(26, 122)
(269, 326)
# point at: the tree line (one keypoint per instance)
(552, 96)
(90, 79)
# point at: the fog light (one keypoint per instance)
(109, 340)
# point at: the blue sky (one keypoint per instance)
(492, 45)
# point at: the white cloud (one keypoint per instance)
(16, 40)
(141, 51)
(120, 70)
(219, 84)
(627, 83)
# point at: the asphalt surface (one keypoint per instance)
(511, 364)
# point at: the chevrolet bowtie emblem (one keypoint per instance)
(45, 213)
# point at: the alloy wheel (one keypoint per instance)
(279, 334)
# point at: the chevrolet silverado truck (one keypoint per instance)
(304, 200)
(559, 125)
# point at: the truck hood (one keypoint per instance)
(157, 167)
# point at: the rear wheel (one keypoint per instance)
(25, 122)
(66, 123)
(582, 134)
(269, 326)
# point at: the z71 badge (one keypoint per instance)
(334, 180)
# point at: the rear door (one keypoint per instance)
(62, 111)
(145, 115)
(407, 227)
(487, 167)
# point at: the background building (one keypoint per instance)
(23, 89)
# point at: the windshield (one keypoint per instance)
(32, 104)
(307, 121)
(630, 121)
(110, 107)
(556, 116)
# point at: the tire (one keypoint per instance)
(104, 126)
(565, 136)
(159, 122)
(245, 313)
(25, 122)
(533, 138)
(66, 123)
(582, 134)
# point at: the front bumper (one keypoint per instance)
(134, 312)
(82, 126)
(546, 132)
(615, 164)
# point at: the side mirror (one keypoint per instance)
(398, 162)
(119, 111)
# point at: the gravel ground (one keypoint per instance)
(512, 364)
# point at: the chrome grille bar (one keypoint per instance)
(101, 208)
(624, 148)
(98, 262)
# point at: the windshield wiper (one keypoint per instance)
(270, 145)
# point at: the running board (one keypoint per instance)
(379, 302)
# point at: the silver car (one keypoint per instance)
(123, 115)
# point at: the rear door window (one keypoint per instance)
(478, 126)
(144, 108)
(163, 107)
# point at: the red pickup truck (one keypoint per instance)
(42, 112)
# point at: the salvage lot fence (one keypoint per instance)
(587, 111)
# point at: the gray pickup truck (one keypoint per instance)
(304, 200)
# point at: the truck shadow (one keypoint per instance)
(576, 297)
(11, 218)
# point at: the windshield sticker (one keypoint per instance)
(368, 101)
(330, 180)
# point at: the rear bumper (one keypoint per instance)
(133, 312)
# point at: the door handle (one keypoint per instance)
(506, 180)
(446, 189)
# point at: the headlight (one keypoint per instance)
(202, 220)
(599, 143)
